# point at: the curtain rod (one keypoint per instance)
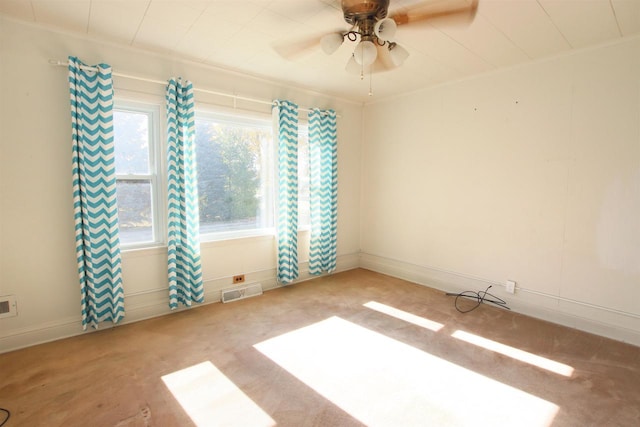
(164, 82)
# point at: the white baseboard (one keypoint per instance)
(575, 314)
(154, 303)
(149, 304)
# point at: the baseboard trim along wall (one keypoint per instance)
(611, 323)
(151, 303)
(154, 302)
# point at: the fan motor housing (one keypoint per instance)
(358, 10)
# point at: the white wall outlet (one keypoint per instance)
(510, 286)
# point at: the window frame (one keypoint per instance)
(156, 176)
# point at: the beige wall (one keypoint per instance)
(37, 255)
(529, 174)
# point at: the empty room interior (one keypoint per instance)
(320, 213)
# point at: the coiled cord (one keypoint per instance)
(480, 297)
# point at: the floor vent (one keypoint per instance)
(236, 293)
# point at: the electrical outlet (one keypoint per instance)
(238, 279)
(510, 286)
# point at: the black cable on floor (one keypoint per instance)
(6, 411)
(480, 297)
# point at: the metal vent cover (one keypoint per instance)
(237, 293)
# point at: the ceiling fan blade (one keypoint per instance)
(451, 11)
(292, 49)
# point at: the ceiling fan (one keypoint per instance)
(373, 29)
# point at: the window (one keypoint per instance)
(236, 161)
(235, 157)
(136, 161)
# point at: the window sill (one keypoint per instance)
(237, 235)
(207, 240)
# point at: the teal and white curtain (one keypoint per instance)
(184, 265)
(286, 123)
(323, 167)
(95, 209)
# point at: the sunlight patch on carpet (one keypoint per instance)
(515, 353)
(381, 381)
(403, 315)
(211, 399)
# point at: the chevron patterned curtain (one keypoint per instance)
(323, 167)
(184, 266)
(95, 209)
(286, 123)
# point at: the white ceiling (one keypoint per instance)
(240, 35)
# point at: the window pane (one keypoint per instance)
(234, 182)
(131, 133)
(134, 211)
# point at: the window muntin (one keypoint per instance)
(136, 142)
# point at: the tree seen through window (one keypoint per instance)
(230, 176)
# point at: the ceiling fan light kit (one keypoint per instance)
(398, 54)
(385, 29)
(374, 32)
(370, 29)
(331, 42)
(365, 53)
(352, 66)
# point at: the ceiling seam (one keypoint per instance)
(191, 26)
(432, 58)
(615, 17)
(493, 66)
(506, 37)
(86, 30)
(554, 24)
(144, 15)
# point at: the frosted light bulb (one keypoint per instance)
(331, 42)
(365, 53)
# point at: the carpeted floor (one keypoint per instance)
(355, 348)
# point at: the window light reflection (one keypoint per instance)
(211, 399)
(382, 381)
(403, 315)
(515, 353)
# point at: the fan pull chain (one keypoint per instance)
(371, 81)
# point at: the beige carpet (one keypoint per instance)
(356, 348)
